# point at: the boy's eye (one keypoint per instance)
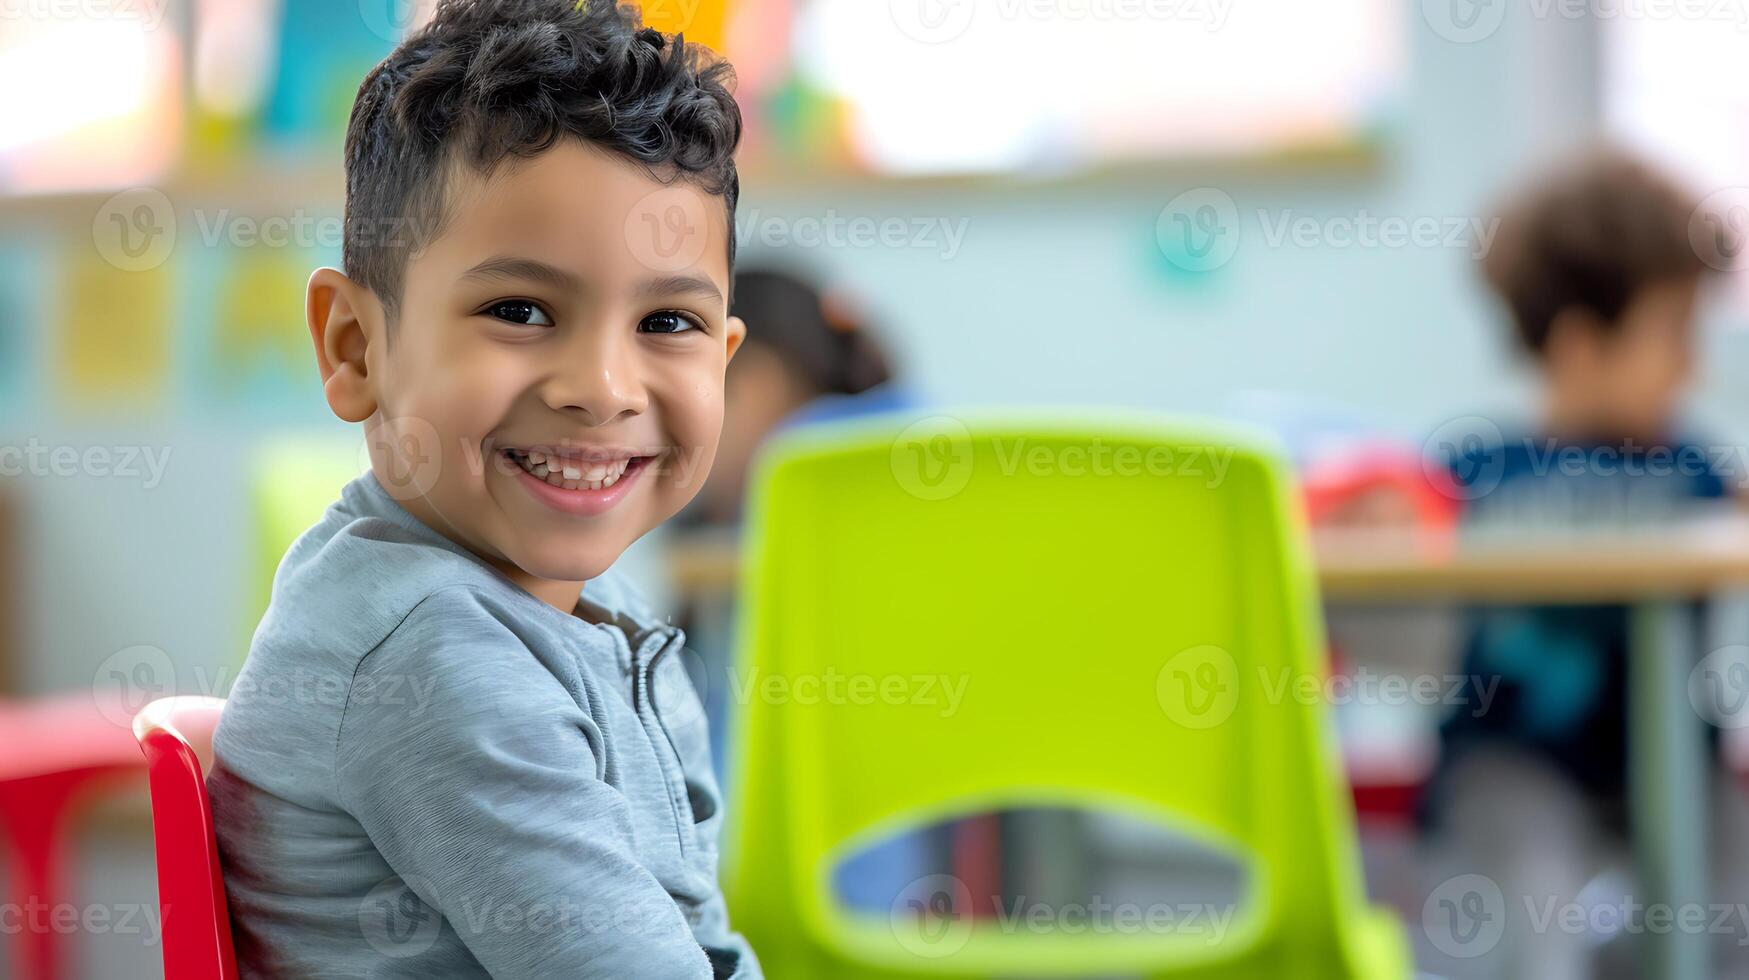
(520, 311)
(668, 321)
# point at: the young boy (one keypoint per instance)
(1598, 270)
(460, 747)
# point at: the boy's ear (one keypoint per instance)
(345, 319)
(737, 333)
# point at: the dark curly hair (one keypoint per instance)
(1591, 235)
(487, 80)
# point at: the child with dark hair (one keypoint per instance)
(461, 745)
(1601, 275)
(808, 357)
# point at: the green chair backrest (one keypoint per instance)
(1127, 602)
(292, 481)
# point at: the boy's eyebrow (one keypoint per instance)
(517, 267)
(514, 267)
(672, 285)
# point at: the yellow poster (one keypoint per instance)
(115, 339)
(259, 322)
(700, 20)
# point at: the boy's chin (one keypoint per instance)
(560, 564)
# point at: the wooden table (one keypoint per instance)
(1658, 575)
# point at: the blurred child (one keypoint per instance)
(808, 357)
(1596, 267)
(462, 745)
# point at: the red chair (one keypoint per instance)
(56, 754)
(177, 736)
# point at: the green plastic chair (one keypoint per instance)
(1114, 625)
(292, 482)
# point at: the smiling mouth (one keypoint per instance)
(571, 472)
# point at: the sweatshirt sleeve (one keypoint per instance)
(479, 782)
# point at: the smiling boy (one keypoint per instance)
(460, 746)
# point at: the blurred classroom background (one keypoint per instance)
(1264, 210)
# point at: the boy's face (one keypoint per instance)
(1634, 375)
(553, 388)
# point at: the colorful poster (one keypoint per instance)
(114, 336)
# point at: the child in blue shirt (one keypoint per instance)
(460, 745)
(1600, 275)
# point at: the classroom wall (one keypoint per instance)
(1054, 296)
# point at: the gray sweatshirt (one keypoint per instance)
(424, 771)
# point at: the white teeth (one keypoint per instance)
(572, 475)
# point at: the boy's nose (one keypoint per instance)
(598, 376)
